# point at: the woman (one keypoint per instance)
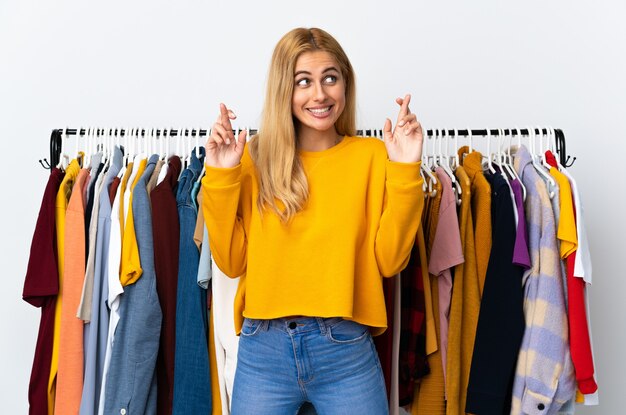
(311, 217)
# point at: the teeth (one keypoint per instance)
(319, 111)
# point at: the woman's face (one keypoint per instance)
(319, 91)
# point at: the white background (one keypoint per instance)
(156, 64)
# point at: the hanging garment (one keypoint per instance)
(380, 233)
(192, 382)
(114, 286)
(521, 256)
(582, 270)
(70, 371)
(464, 307)
(501, 319)
(429, 396)
(542, 381)
(62, 199)
(481, 210)
(98, 327)
(131, 264)
(580, 345)
(384, 342)
(446, 253)
(86, 301)
(95, 168)
(155, 175)
(413, 364)
(394, 393)
(41, 286)
(222, 346)
(225, 337)
(131, 382)
(166, 234)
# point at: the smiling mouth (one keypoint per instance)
(320, 111)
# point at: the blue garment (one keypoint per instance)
(330, 362)
(204, 268)
(97, 329)
(131, 386)
(192, 381)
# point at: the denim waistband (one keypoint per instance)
(300, 324)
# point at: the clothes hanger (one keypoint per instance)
(422, 174)
(509, 163)
(445, 165)
(489, 164)
(542, 149)
(197, 150)
(499, 158)
(63, 158)
(552, 137)
(550, 182)
(432, 192)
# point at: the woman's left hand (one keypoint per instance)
(404, 144)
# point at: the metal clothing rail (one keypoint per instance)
(56, 136)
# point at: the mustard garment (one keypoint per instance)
(464, 308)
(359, 223)
(131, 266)
(428, 397)
(481, 210)
(63, 197)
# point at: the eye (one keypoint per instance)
(330, 79)
(302, 82)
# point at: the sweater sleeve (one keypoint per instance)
(402, 209)
(221, 189)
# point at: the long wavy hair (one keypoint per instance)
(283, 186)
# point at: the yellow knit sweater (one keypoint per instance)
(359, 223)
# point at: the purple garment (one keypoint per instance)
(521, 256)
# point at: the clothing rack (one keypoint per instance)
(55, 137)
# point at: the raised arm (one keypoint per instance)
(222, 188)
(404, 198)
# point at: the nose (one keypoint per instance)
(319, 93)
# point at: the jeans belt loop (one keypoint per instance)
(322, 323)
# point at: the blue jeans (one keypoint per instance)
(330, 362)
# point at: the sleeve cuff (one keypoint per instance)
(408, 173)
(587, 386)
(221, 177)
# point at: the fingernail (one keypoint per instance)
(406, 131)
(227, 141)
(401, 123)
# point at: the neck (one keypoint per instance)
(314, 140)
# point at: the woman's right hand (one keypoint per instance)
(222, 150)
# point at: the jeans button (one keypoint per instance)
(293, 325)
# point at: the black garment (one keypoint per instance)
(501, 321)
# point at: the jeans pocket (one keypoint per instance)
(347, 331)
(250, 326)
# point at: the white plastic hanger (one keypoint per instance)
(64, 159)
(445, 165)
(550, 182)
(455, 146)
(552, 147)
(503, 171)
(489, 165)
(428, 172)
(510, 162)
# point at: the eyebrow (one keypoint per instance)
(332, 68)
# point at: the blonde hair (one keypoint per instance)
(283, 186)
